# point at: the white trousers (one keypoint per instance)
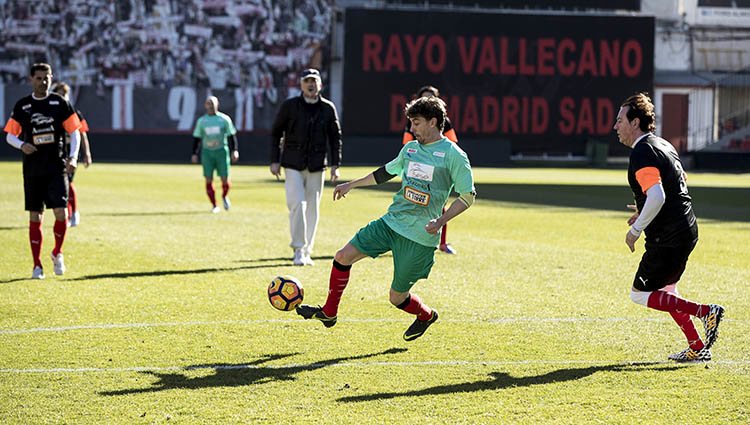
(303, 190)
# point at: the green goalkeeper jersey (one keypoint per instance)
(213, 131)
(428, 174)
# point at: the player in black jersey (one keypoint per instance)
(74, 216)
(37, 126)
(450, 133)
(664, 211)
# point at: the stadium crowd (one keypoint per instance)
(162, 43)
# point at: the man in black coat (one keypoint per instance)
(305, 132)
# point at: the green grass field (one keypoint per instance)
(162, 316)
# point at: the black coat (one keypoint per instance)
(302, 136)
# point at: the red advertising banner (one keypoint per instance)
(547, 83)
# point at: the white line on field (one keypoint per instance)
(314, 366)
(510, 320)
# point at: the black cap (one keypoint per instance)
(311, 73)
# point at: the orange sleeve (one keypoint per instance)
(451, 135)
(84, 126)
(72, 123)
(407, 138)
(647, 177)
(13, 127)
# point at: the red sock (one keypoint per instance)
(414, 305)
(211, 194)
(59, 229)
(665, 301)
(72, 204)
(688, 328)
(35, 240)
(336, 285)
(225, 189)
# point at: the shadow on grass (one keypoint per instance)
(502, 380)
(3, 228)
(123, 275)
(715, 203)
(234, 375)
(150, 213)
(288, 258)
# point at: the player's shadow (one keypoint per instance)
(234, 375)
(502, 380)
(149, 213)
(288, 258)
(124, 275)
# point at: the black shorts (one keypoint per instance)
(51, 191)
(662, 265)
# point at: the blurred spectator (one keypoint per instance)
(161, 43)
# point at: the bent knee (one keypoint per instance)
(639, 297)
(397, 298)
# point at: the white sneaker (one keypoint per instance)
(299, 258)
(38, 273)
(215, 210)
(59, 263)
(307, 260)
(75, 219)
(227, 204)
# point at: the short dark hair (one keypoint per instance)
(427, 108)
(39, 66)
(429, 89)
(641, 107)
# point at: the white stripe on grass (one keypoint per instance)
(314, 366)
(499, 321)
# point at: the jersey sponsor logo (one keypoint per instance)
(41, 119)
(54, 102)
(411, 150)
(439, 154)
(415, 196)
(25, 107)
(44, 139)
(48, 129)
(420, 171)
(213, 130)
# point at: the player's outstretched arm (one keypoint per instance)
(342, 189)
(458, 206)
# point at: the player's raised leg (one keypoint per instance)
(339, 279)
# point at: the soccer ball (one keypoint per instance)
(285, 293)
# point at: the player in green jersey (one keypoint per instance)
(215, 138)
(430, 168)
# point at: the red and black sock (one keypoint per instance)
(211, 194)
(35, 240)
(665, 301)
(414, 305)
(688, 328)
(336, 285)
(225, 188)
(59, 230)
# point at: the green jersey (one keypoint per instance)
(428, 174)
(213, 130)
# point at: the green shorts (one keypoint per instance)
(215, 160)
(411, 261)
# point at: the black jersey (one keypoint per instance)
(43, 123)
(674, 222)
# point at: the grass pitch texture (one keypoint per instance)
(162, 316)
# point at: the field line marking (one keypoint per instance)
(316, 366)
(499, 321)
